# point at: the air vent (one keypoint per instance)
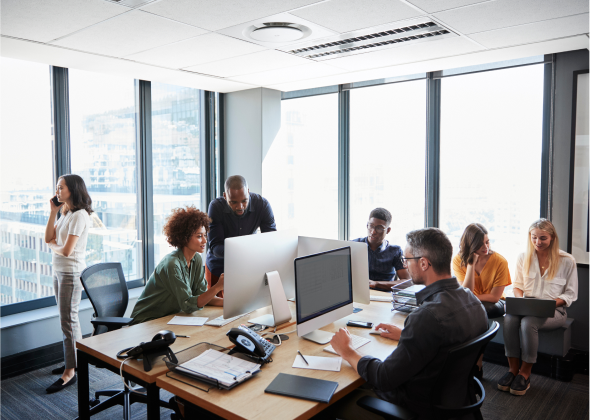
(361, 42)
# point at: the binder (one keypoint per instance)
(302, 387)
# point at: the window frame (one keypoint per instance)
(59, 85)
(432, 155)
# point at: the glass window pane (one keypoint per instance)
(102, 127)
(300, 170)
(26, 181)
(491, 138)
(175, 155)
(387, 156)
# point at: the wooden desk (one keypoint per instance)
(104, 348)
(249, 401)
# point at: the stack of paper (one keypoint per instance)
(214, 365)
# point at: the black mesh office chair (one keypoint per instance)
(448, 393)
(106, 288)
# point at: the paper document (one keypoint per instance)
(381, 298)
(219, 366)
(220, 321)
(318, 363)
(195, 321)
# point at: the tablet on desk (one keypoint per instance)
(543, 308)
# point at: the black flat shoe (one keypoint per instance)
(505, 382)
(59, 385)
(520, 385)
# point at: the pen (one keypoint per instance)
(183, 336)
(303, 357)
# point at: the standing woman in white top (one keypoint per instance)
(67, 239)
(543, 272)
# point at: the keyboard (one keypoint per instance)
(220, 321)
(357, 342)
(381, 298)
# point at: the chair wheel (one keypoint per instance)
(94, 402)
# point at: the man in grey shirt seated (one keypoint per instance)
(448, 315)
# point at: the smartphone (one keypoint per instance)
(57, 203)
(360, 324)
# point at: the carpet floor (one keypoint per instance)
(24, 397)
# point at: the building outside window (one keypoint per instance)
(304, 193)
(175, 154)
(26, 181)
(490, 155)
(387, 156)
(103, 152)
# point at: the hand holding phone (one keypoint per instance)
(360, 324)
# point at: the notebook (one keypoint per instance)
(302, 387)
(543, 308)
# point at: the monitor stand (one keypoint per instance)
(280, 307)
(319, 336)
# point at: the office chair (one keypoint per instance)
(461, 358)
(105, 286)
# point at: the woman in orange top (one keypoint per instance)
(482, 270)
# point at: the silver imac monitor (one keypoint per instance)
(323, 289)
(256, 267)
(360, 262)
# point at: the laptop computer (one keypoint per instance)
(543, 308)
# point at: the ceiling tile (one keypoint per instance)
(504, 13)
(305, 71)
(405, 54)
(198, 50)
(219, 14)
(534, 32)
(50, 19)
(129, 33)
(432, 6)
(350, 15)
(251, 63)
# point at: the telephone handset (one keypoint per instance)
(160, 345)
(250, 343)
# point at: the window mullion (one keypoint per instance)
(432, 151)
(343, 164)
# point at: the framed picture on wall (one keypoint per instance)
(579, 237)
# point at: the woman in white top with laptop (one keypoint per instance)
(67, 239)
(543, 272)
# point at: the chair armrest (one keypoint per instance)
(111, 322)
(385, 409)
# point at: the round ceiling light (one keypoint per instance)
(277, 32)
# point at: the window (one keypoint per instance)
(103, 152)
(26, 177)
(387, 156)
(490, 159)
(175, 155)
(304, 195)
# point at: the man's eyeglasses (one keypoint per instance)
(405, 260)
(378, 228)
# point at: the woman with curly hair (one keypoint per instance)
(178, 282)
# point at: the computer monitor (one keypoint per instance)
(360, 262)
(323, 292)
(256, 266)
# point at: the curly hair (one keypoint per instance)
(183, 223)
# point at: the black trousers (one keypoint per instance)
(494, 310)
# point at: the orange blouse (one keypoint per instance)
(494, 274)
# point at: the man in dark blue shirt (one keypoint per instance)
(238, 213)
(384, 259)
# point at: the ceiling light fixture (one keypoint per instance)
(277, 32)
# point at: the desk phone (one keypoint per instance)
(250, 343)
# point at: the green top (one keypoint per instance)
(171, 288)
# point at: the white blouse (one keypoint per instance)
(563, 286)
